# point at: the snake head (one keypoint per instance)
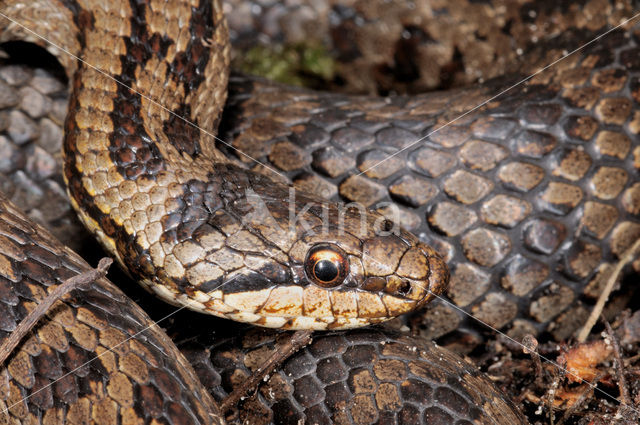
(274, 257)
(362, 274)
(304, 264)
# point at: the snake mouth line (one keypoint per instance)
(295, 307)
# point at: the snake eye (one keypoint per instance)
(326, 265)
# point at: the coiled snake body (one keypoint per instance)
(194, 228)
(144, 182)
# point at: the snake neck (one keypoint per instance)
(146, 99)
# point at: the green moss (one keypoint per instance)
(304, 64)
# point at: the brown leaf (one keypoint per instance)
(582, 360)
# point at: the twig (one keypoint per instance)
(25, 326)
(627, 257)
(622, 382)
(551, 395)
(530, 344)
(586, 393)
(298, 340)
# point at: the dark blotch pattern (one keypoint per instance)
(117, 365)
(362, 376)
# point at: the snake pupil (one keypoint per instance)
(325, 270)
(326, 265)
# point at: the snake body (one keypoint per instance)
(97, 357)
(193, 227)
(570, 97)
(531, 199)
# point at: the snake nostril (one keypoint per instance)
(387, 225)
(404, 288)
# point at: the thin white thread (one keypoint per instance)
(524, 80)
(373, 166)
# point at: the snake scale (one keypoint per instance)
(324, 116)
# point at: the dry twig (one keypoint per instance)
(298, 340)
(25, 326)
(628, 256)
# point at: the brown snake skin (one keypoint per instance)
(579, 114)
(98, 358)
(194, 228)
(530, 199)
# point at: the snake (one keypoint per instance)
(319, 104)
(197, 230)
(99, 358)
(528, 189)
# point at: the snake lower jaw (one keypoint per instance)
(296, 307)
